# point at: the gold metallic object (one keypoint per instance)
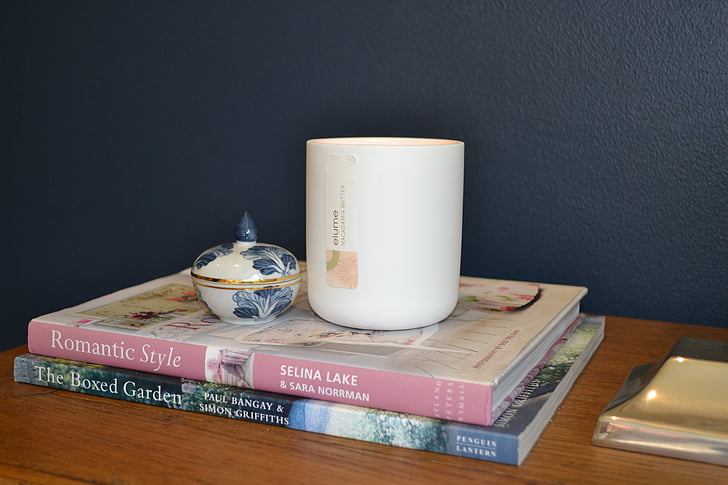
(675, 407)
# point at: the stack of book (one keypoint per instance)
(481, 384)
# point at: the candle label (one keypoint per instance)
(341, 221)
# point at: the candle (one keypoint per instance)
(383, 230)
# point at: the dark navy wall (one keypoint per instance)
(134, 134)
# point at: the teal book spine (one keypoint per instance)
(508, 440)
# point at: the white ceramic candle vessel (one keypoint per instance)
(383, 230)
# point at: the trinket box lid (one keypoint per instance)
(246, 261)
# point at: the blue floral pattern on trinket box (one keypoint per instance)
(270, 260)
(261, 304)
(212, 254)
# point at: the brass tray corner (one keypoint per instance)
(675, 407)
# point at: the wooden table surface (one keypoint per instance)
(51, 436)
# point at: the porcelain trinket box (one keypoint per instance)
(246, 282)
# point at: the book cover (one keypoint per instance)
(461, 369)
(508, 440)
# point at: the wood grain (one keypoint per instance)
(52, 436)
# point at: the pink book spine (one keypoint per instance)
(422, 395)
(426, 396)
(118, 350)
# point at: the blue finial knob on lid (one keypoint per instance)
(246, 230)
